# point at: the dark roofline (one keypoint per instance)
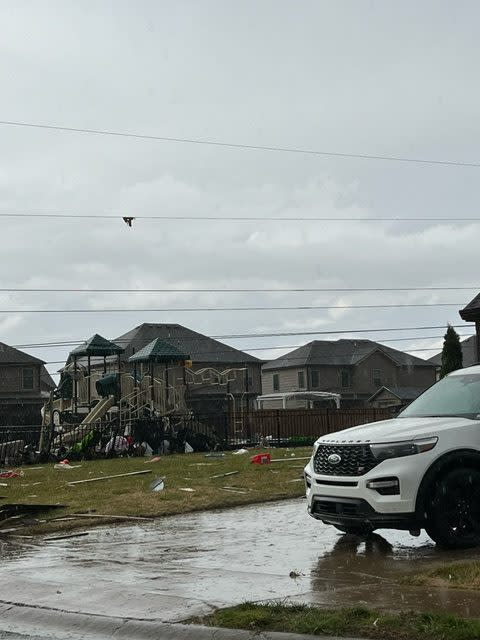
(471, 312)
(26, 358)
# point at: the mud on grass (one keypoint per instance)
(131, 495)
(350, 622)
(456, 575)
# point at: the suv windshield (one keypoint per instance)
(457, 395)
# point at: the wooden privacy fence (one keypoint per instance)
(291, 423)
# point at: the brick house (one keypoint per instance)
(24, 386)
(356, 369)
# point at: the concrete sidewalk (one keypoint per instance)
(41, 622)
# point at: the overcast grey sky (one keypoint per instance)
(381, 78)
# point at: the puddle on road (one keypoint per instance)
(176, 567)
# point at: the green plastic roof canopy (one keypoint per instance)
(97, 346)
(159, 351)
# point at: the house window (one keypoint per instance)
(315, 377)
(301, 379)
(377, 377)
(27, 376)
(346, 379)
(276, 382)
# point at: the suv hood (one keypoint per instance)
(396, 430)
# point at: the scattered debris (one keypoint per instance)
(295, 574)
(215, 454)
(188, 448)
(238, 488)
(240, 452)
(66, 465)
(156, 459)
(158, 484)
(296, 480)
(109, 517)
(3, 484)
(66, 537)
(147, 448)
(117, 475)
(11, 474)
(232, 490)
(261, 458)
(224, 475)
(18, 510)
(290, 459)
(187, 489)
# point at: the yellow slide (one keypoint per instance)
(99, 410)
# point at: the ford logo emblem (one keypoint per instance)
(334, 458)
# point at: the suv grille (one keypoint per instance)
(355, 460)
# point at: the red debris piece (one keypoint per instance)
(261, 458)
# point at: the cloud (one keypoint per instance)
(333, 77)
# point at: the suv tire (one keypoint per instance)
(453, 513)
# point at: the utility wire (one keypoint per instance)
(232, 145)
(239, 336)
(299, 346)
(69, 216)
(286, 290)
(212, 309)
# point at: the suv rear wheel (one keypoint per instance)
(453, 514)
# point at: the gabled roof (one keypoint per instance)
(201, 349)
(402, 393)
(471, 312)
(96, 346)
(158, 351)
(10, 355)
(46, 379)
(340, 353)
(469, 353)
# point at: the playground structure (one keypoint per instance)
(94, 388)
(97, 389)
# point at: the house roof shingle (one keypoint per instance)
(345, 352)
(402, 393)
(469, 353)
(471, 312)
(201, 349)
(10, 355)
(46, 379)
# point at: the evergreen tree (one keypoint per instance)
(452, 357)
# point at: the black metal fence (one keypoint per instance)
(176, 433)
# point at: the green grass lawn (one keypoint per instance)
(131, 496)
(456, 575)
(351, 622)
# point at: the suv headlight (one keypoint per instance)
(402, 449)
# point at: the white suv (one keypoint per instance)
(420, 470)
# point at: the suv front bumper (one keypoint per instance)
(354, 512)
(348, 500)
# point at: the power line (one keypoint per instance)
(70, 216)
(69, 343)
(213, 309)
(324, 357)
(253, 290)
(232, 145)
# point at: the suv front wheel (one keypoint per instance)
(453, 513)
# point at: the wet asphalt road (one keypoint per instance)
(173, 568)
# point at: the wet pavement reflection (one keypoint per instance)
(176, 567)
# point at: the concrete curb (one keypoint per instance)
(25, 619)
